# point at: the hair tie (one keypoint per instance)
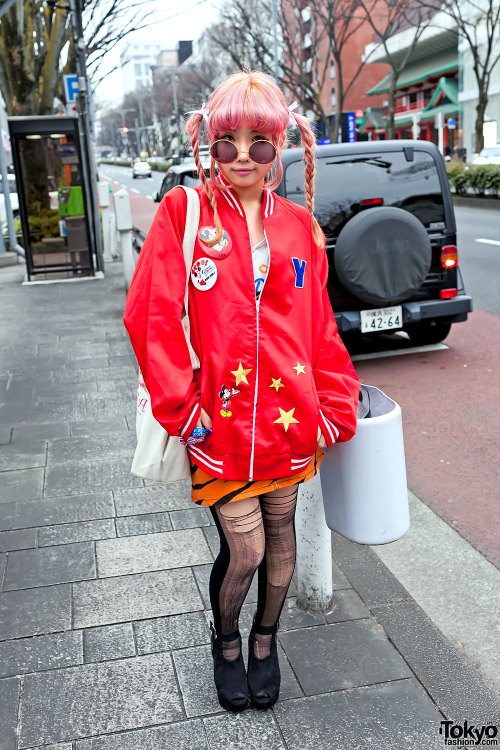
(203, 111)
(292, 122)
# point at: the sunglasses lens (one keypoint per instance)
(262, 152)
(224, 151)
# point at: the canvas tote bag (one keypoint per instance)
(159, 456)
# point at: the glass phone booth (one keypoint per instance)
(54, 202)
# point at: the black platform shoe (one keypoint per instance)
(230, 676)
(263, 675)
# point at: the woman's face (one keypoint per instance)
(243, 172)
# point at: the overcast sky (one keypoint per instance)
(187, 25)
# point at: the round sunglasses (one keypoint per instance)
(261, 151)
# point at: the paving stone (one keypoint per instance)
(342, 655)
(104, 407)
(45, 431)
(3, 560)
(451, 682)
(91, 448)
(168, 633)
(59, 510)
(9, 702)
(69, 533)
(292, 617)
(5, 434)
(23, 455)
(23, 539)
(212, 536)
(40, 653)
(102, 427)
(108, 642)
(346, 606)
(137, 554)
(35, 611)
(366, 572)
(250, 730)
(185, 735)
(107, 373)
(391, 716)
(21, 485)
(62, 390)
(153, 499)
(134, 597)
(79, 477)
(83, 363)
(7, 511)
(190, 518)
(73, 703)
(149, 523)
(49, 565)
(43, 410)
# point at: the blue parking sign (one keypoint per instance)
(70, 87)
(351, 127)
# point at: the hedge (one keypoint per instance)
(483, 179)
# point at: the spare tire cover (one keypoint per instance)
(383, 255)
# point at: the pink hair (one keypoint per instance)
(252, 97)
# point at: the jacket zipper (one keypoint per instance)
(257, 306)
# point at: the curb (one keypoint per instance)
(453, 685)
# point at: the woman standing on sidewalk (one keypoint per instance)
(275, 385)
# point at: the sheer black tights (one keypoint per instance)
(255, 534)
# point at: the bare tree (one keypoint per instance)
(387, 18)
(478, 23)
(310, 37)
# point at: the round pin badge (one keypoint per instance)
(203, 274)
(221, 249)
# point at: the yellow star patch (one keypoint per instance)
(241, 374)
(286, 418)
(300, 368)
(276, 384)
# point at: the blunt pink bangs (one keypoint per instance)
(249, 99)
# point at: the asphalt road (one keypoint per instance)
(478, 241)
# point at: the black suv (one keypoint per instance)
(387, 213)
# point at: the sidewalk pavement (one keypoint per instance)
(104, 605)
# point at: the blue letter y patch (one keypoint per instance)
(299, 267)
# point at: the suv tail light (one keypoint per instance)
(449, 256)
(448, 293)
(372, 202)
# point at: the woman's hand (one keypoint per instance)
(321, 439)
(204, 420)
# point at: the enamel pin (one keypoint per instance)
(203, 274)
(221, 249)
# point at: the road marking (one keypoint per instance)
(399, 352)
(134, 190)
(150, 196)
(488, 242)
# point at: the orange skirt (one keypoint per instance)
(207, 490)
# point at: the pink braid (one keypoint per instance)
(309, 143)
(193, 130)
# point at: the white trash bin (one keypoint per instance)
(365, 495)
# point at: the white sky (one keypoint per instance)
(188, 25)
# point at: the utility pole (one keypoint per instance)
(82, 101)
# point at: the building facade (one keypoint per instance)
(136, 60)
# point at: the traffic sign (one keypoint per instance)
(70, 87)
(452, 123)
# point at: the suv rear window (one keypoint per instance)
(343, 182)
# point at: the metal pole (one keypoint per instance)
(314, 549)
(176, 105)
(83, 113)
(275, 35)
(8, 206)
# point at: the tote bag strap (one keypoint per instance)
(190, 234)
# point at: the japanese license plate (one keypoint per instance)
(384, 319)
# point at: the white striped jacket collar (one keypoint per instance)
(233, 200)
